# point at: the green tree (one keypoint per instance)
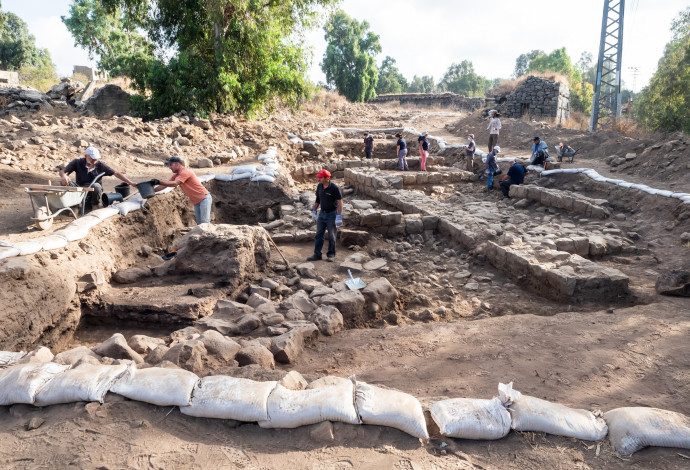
(423, 84)
(523, 60)
(587, 67)
(349, 58)
(201, 55)
(390, 78)
(663, 104)
(461, 79)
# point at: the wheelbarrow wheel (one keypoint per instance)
(43, 224)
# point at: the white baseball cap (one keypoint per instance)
(93, 153)
(497, 148)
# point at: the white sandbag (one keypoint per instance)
(8, 251)
(266, 178)
(633, 428)
(222, 177)
(205, 178)
(73, 233)
(157, 385)
(625, 184)
(87, 382)
(293, 408)
(640, 187)
(20, 383)
(85, 222)
(104, 212)
(28, 247)
(224, 397)
(664, 192)
(126, 207)
(240, 176)
(390, 408)
(52, 242)
(7, 358)
(468, 418)
(534, 414)
(244, 169)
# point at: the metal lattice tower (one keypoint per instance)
(607, 89)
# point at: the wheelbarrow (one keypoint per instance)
(50, 201)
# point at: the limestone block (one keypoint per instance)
(580, 246)
(230, 310)
(381, 292)
(116, 347)
(422, 177)
(396, 230)
(246, 324)
(350, 304)
(430, 222)
(328, 319)
(255, 353)
(409, 178)
(391, 218)
(223, 348)
(287, 347)
(144, 344)
(597, 245)
(72, 356)
(370, 218)
(413, 224)
(565, 244)
(300, 301)
(436, 178)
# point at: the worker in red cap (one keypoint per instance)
(330, 217)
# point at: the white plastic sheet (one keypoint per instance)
(293, 408)
(391, 408)
(224, 397)
(534, 414)
(156, 385)
(467, 418)
(87, 382)
(632, 428)
(8, 358)
(20, 383)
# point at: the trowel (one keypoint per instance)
(354, 283)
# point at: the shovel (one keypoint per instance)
(354, 283)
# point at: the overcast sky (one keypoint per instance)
(426, 36)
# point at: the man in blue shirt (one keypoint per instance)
(515, 175)
(539, 152)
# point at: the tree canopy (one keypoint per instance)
(200, 55)
(663, 104)
(423, 84)
(390, 78)
(461, 79)
(349, 58)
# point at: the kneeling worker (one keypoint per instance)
(191, 186)
(329, 197)
(85, 170)
(515, 175)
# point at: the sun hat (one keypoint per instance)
(324, 174)
(497, 148)
(93, 153)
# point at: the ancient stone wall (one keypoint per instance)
(567, 201)
(442, 100)
(537, 97)
(8, 78)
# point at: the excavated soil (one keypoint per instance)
(442, 339)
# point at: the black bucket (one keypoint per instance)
(123, 188)
(146, 189)
(109, 198)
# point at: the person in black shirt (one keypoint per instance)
(330, 217)
(85, 170)
(516, 175)
(401, 149)
(469, 152)
(368, 148)
(423, 149)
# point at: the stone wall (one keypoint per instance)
(442, 100)
(307, 171)
(539, 266)
(8, 78)
(537, 97)
(564, 200)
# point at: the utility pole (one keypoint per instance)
(607, 89)
(635, 72)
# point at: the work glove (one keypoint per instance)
(313, 215)
(155, 182)
(338, 220)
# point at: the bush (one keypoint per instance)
(41, 78)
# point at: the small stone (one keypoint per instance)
(34, 423)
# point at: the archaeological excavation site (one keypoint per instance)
(454, 329)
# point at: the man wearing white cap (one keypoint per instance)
(86, 170)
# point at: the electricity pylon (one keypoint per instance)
(607, 89)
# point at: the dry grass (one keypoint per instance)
(577, 120)
(630, 128)
(123, 82)
(322, 102)
(80, 77)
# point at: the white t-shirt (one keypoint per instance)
(494, 125)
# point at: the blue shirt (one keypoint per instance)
(491, 165)
(402, 144)
(424, 143)
(470, 149)
(516, 173)
(540, 146)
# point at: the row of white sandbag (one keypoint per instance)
(685, 197)
(268, 403)
(76, 230)
(629, 429)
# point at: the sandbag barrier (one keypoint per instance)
(24, 379)
(266, 171)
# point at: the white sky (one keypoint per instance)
(426, 36)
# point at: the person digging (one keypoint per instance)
(330, 217)
(190, 185)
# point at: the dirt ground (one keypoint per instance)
(591, 356)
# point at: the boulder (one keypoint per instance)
(293, 380)
(674, 282)
(353, 237)
(144, 344)
(109, 101)
(255, 353)
(131, 275)
(287, 347)
(350, 303)
(230, 252)
(328, 319)
(156, 356)
(300, 301)
(117, 348)
(40, 354)
(72, 356)
(246, 324)
(230, 310)
(221, 347)
(190, 355)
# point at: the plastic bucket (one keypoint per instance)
(123, 188)
(109, 198)
(146, 189)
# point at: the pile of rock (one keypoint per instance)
(22, 98)
(67, 89)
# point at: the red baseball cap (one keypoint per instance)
(324, 174)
